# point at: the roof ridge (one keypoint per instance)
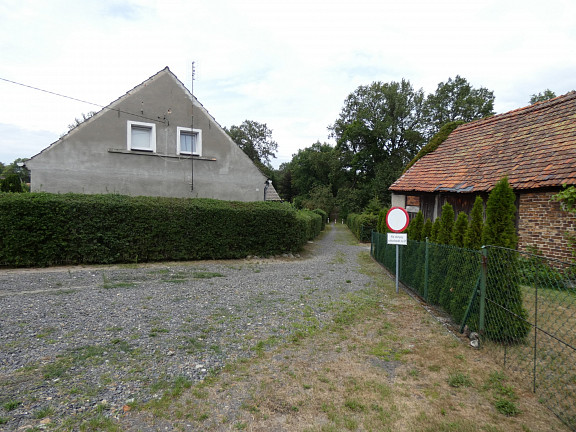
(535, 145)
(525, 109)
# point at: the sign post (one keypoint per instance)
(397, 220)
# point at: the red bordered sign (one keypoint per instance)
(397, 219)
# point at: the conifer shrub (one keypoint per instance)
(435, 229)
(438, 254)
(415, 227)
(457, 279)
(459, 231)
(469, 265)
(426, 230)
(473, 238)
(505, 319)
(444, 234)
(381, 226)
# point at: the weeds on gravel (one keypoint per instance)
(206, 275)
(44, 412)
(11, 405)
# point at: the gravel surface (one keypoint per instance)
(83, 340)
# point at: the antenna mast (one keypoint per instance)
(192, 132)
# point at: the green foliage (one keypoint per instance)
(378, 131)
(500, 228)
(313, 166)
(459, 231)
(362, 225)
(436, 140)
(17, 167)
(416, 227)
(507, 323)
(542, 96)
(11, 183)
(427, 230)
(435, 230)
(373, 207)
(348, 201)
(311, 222)
(473, 239)
(567, 199)
(381, 226)
(320, 197)
(456, 100)
(255, 139)
(323, 215)
(40, 229)
(444, 234)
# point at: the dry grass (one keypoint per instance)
(384, 365)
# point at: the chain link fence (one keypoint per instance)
(522, 306)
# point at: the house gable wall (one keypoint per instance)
(94, 158)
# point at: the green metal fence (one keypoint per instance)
(522, 305)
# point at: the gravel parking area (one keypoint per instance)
(81, 340)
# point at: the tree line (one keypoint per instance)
(381, 129)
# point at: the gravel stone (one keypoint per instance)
(93, 339)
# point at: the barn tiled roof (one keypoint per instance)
(535, 146)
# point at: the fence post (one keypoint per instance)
(483, 277)
(426, 271)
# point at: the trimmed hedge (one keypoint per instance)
(362, 225)
(323, 215)
(40, 229)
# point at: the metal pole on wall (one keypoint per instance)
(192, 133)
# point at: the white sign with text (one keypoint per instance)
(398, 239)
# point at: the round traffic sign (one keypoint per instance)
(397, 219)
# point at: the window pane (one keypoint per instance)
(187, 141)
(141, 137)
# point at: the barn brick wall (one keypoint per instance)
(542, 223)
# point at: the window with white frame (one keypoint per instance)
(141, 136)
(189, 141)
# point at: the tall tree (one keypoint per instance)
(284, 182)
(255, 139)
(379, 129)
(317, 165)
(543, 96)
(456, 100)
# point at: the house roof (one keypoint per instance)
(535, 146)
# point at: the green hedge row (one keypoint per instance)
(40, 229)
(362, 225)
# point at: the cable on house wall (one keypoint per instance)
(159, 119)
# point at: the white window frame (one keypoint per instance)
(198, 133)
(150, 126)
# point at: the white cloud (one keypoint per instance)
(287, 64)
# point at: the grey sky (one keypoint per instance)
(287, 64)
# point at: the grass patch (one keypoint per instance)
(11, 405)
(206, 275)
(459, 379)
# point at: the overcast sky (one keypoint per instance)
(289, 64)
